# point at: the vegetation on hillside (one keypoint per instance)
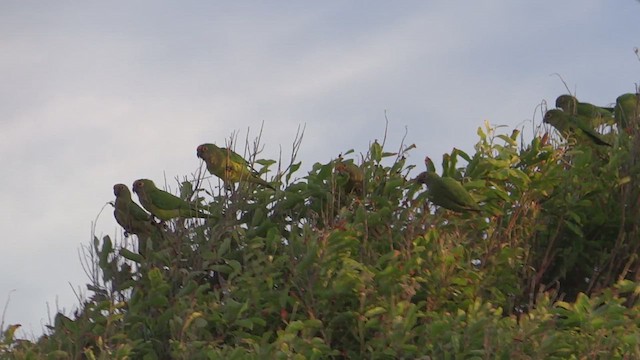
(352, 260)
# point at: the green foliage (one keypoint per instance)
(352, 261)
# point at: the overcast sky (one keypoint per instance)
(93, 94)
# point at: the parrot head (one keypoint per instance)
(139, 185)
(120, 189)
(203, 151)
(553, 117)
(425, 177)
(566, 102)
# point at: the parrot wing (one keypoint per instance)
(165, 201)
(456, 193)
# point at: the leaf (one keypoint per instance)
(574, 228)
(294, 326)
(130, 255)
(224, 269)
(481, 134)
(293, 169)
(195, 315)
(58, 354)
(224, 247)
(624, 180)
(107, 248)
(375, 311)
(265, 162)
(313, 324)
(508, 140)
(186, 190)
(245, 323)
(376, 151)
(235, 265)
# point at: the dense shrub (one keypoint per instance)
(338, 265)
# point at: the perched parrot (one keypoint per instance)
(228, 165)
(445, 191)
(354, 174)
(132, 218)
(163, 205)
(627, 110)
(570, 105)
(573, 124)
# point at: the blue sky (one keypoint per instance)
(93, 94)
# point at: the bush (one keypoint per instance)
(352, 261)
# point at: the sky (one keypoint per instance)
(98, 93)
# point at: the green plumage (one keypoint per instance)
(446, 192)
(228, 165)
(627, 111)
(575, 125)
(163, 205)
(597, 115)
(132, 218)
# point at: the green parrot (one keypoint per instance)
(354, 174)
(627, 110)
(573, 124)
(163, 205)
(228, 165)
(570, 105)
(445, 191)
(132, 218)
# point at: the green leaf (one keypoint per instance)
(295, 326)
(245, 323)
(224, 247)
(508, 140)
(235, 265)
(313, 324)
(130, 255)
(223, 268)
(292, 169)
(265, 162)
(376, 151)
(375, 311)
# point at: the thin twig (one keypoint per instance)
(4, 310)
